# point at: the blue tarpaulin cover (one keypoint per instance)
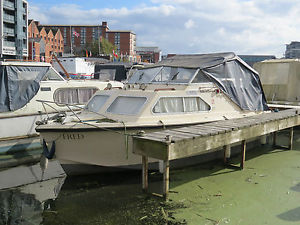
(18, 85)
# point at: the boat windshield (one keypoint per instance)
(163, 75)
(52, 75)
(96, 102)
(127, 105)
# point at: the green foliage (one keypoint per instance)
(105, 47)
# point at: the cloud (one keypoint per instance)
(189, 24)
(193, 26)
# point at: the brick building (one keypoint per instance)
(77, 37)
(125, 41)
(43, 42)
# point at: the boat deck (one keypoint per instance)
(183, 142)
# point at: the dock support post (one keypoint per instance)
(166, 178)
(145, 173)
(291, 138)
(263, 139)
(227, 153)
(274, 138)
(243, 154)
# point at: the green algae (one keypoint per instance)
(265, 192)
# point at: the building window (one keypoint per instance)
(117, 41)
(73, 30)
(94, 33)
(82, 36)
(65, 35)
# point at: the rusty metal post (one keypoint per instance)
(243, 154)
(291, 138)
(145, 173)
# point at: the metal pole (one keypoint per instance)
(99, 40)
(71, 50)
(32, 40)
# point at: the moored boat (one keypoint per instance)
(23, 83)
(179, 91)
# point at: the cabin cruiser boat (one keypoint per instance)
(22, 84)
(178, 91)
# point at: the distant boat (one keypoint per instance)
(77, 67)
(23, 83)
(178, 91)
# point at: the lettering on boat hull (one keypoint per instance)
(72, 136)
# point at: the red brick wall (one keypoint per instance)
(33, 30)
(125, 43)
(35, 52)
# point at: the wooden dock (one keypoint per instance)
(192, 140)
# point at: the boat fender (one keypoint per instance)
(48, 154)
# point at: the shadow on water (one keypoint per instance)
(292, 215)
(110, 198)
(296, 187)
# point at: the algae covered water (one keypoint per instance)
(267, 191)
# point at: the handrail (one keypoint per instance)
(164, 89)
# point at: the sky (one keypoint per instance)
(261, 27)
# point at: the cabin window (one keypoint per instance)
(127, 105)
(77, 96)
(52, 75)
(180, 104)
(96, 103)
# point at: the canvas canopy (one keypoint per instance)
(231, 74)
(19, 84)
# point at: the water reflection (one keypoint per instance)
(24, 197)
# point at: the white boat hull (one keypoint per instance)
(105, 148)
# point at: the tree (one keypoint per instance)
(105, 47)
